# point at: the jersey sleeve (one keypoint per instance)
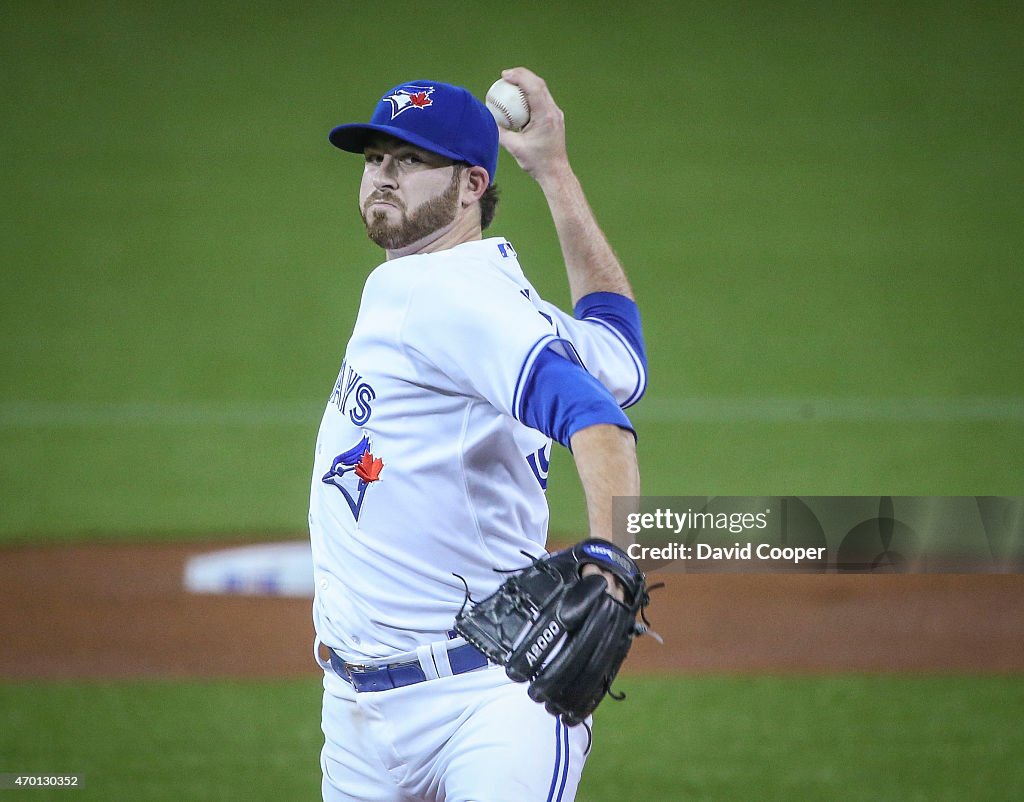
(561, 398)
(606, 333)
(472, 331)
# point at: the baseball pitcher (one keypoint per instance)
(461, 661)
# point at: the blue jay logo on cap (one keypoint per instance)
(409, 97)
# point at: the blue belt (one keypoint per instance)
(397, 675)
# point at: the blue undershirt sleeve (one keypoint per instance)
(560, 398)
(618, 312)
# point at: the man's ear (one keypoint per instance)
(475, 185)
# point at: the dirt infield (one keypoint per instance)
(120, 611)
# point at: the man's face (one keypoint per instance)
(406, 193)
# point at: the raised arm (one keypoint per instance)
(540, 150)
(604, 447)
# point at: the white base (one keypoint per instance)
(272, 569)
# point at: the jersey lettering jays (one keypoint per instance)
(351, 387)
(422, 468)
(355, 468)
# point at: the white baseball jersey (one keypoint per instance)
(422, 470)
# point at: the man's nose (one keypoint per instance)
(386, 174)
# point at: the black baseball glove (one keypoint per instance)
(560, 631)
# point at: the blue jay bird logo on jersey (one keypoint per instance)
(352, 472)
(409, 97)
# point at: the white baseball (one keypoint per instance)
(508, 105)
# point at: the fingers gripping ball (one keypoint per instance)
(561, 632)
(508, 105)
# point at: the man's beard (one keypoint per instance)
(431, 216)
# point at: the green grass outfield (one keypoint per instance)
(817, 203)
(700, 738)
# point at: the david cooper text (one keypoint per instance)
(744, 552)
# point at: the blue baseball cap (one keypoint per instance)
(435, 116)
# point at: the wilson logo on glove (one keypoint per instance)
(611, 555)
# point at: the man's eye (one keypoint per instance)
(412, 158)
(373, 158)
